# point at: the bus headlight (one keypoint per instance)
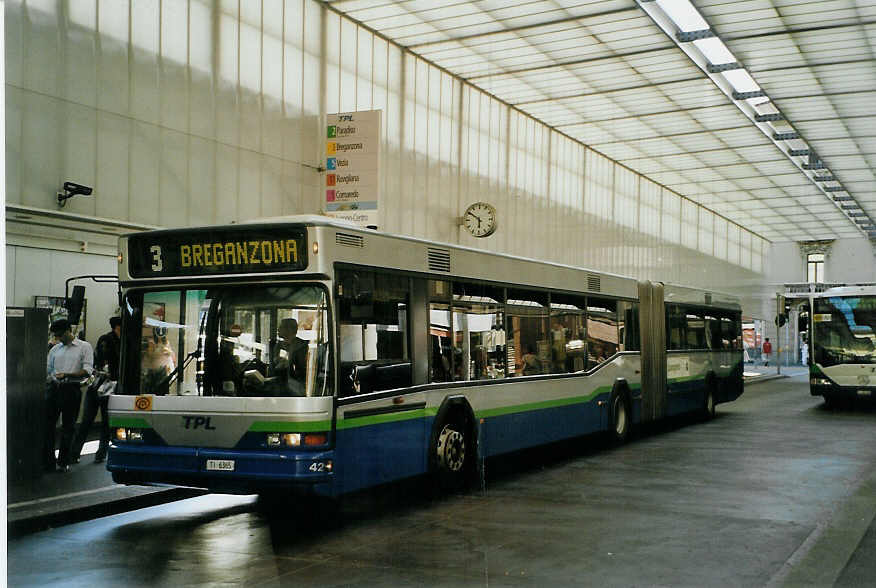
(129, 435)
(295, 439)
(819, 382)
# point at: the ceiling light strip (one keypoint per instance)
(683, 23)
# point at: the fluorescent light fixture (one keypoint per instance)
(683, 14)
(741, 80)
(715, 51)
(766, 107)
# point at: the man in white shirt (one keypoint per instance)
(69, 364)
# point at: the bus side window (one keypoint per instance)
(628, 315)
(602, 330)
(478, 332)
(568, 333)
(675, 325)
(529, 342)
(373, 326)
(695, 329)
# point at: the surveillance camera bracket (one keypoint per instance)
(62, 198)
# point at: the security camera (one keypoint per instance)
(72, 189)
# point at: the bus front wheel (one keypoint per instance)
(451, 454)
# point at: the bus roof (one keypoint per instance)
(674, 293)
(852, 290)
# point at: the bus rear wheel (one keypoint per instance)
(451, 454)
(708, 411)
(620, 417)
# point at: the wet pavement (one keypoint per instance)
(776, 490)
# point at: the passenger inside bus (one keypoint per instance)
(290, 361)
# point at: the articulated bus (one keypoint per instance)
(304, 355)
(842, 359)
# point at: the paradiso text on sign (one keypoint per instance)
(239, 253)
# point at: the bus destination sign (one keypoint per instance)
(217, 251)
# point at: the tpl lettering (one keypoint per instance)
(195, 422)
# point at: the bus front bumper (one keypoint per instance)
(841, 392)
(223, 470)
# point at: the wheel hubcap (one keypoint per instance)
(451, 449)
(710, 403)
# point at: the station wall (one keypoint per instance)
(849, 261)
(189, 112)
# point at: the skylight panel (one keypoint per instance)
(741, 80)
(683, 14)
(714, 50)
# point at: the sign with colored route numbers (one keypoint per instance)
(352, 163)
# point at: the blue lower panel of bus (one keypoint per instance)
(520, 430)
(685, 397)
(374, 454)
(378, 453)
(245, 471)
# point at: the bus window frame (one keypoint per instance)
(132, 335)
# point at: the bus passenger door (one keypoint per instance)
(653, 333)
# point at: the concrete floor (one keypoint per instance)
(775, 490)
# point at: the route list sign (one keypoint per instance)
(352, 177)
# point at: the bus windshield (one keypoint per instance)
(845, 330)
(253, 340)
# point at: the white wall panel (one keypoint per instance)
(145, 89)
(184, 112)
(202, 182)
(112, 56)
(13, 143)
(113, 157)
(79, 52)
(78, 138)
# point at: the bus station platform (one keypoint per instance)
(86, 492)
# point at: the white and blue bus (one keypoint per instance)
(306, 355)
(842, 359)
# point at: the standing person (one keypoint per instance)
(70, 362)
(106, 359)
(766, 350)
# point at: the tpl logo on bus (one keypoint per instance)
(197, 422)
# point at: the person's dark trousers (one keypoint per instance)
(93, 403)
(53, 410)
(62, 399)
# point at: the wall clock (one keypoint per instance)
(480, 219)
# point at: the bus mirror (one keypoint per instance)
(74, 304)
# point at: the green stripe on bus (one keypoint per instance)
(290, 426)
(378, 419)
(504, 410)
(131, 422)
(684, 379)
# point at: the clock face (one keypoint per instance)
(480, 219)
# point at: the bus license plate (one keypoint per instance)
(220, 465)
(863, 392)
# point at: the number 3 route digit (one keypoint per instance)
(157, 265)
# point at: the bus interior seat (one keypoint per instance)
(375, 377)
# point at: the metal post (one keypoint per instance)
(780, 308)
